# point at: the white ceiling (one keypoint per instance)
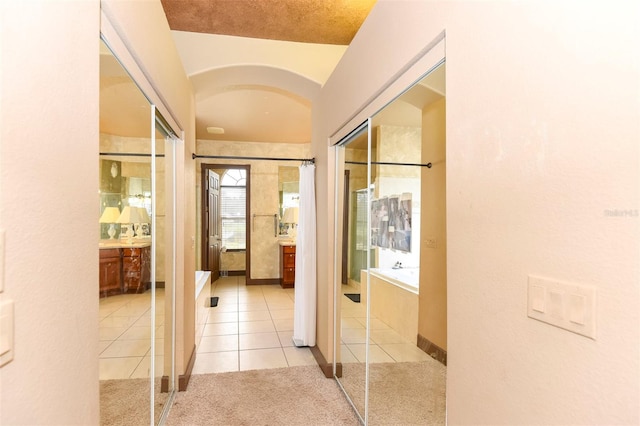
(257, 90)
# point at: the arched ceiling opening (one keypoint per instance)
(256, 66)
(254, 103)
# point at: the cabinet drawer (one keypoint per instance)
(289, 260)
(289, 274)
(132, 264)
(131, 252)
(289, 249)
(109, 253)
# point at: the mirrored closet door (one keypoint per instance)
(137, 250)
(353, 259)
(400, 358)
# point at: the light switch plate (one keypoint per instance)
(565, 305)
(431, 242)
(6, 332)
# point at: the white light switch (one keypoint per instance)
(577, 308)
(556, 307)
(6, 332)
(565, 305)
(538, 295)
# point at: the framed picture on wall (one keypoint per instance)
(391, 222)
(401, 218)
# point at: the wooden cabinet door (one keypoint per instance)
(110, 280)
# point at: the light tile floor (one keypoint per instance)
(385, 344)
(251, 328)
(125, 335)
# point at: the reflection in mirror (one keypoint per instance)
(163, 266)
(391, 199)
(132, 247)
(351, 327)
(289, 200)
(407, 298)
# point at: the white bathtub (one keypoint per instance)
(405, 278)
(393, 298)
(203, 297)
(202, 278)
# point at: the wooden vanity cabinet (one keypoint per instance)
(110, 267)
(287, 266)
(136, 269)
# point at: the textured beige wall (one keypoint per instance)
(49, 209)
(432, 321)
(527, 193)
(264, 204)
(233, 261)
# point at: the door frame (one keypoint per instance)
(203, 212)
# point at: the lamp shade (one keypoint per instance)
(291, 215)
(129, 215)
(110, 215)
(144, 216)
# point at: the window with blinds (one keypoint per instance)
(234, 217)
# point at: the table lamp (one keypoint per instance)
(291, 217)
(144, 218)
(110, 215)
(129, 216)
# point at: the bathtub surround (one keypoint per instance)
(405, 278)
(203, 301)
(394, 305)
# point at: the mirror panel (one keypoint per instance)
(352, 244)
(289, 200)
(136, 251)
(401, 375)
(163, 282)
(406, 385)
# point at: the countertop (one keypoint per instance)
(137, 243)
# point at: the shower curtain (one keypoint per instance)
(304, 318)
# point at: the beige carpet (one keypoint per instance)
(126, 402)
(406, 393)
(403, 393)
(282, 396)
